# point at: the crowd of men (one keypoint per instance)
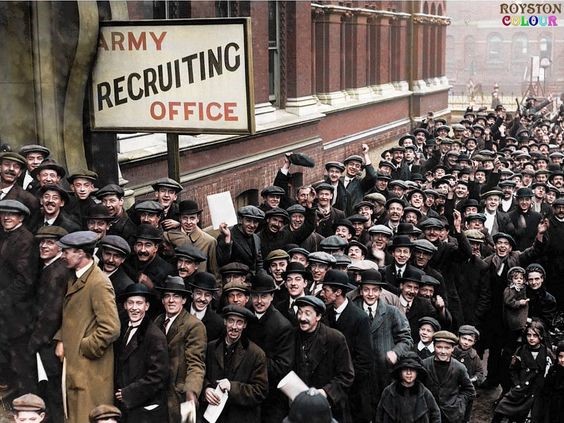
(341, 281)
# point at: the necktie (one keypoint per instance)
(370, 315)
(521, 222)
(165, 324)
(407, 308)
(398, 274)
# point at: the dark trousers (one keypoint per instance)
(50, 390)
(19, 369)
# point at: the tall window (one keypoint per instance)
(494, 53)
(469, 54)
(273, 54)
(519, 48)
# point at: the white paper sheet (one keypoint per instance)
(41, 373)
(214, 411)
(222, 209)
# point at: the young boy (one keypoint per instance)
(28, 408)
(515, 302)
(427, 328)
(467, 355)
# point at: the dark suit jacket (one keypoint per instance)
(389, 275)
(325, 223)
(62, 220)
(327, 366)
(243, 249)
(420, 307)
(359, 186)
(247, 374)
(213, 323)
(18, 270)
(120, 280)
(141, 372)
(157, 269)
(51, 289)
(24, 197)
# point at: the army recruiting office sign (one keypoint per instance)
(190, 76)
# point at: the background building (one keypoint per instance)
(328, 76)
(481, 49)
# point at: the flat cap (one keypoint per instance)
(342, 260)
(427, 320)
(116, 243)
(110, 189)
(445, 336)
(468, 330)
(149, 232)
(13, 206)
(189, 207)
(85, 240)
(424, 245)
(354, 158)
(429, 280)
(15, 157)
(295, 208)
(431, 222)
(190, 252)
(344, 222)
(301, 159)
(475, 235)
(278, 212)
(381, 229)
(324, 186)
(357, 218)
(277, 254)
(524, 192)
(149, 206)
(272, 190)
(103, 412)
(397, 200)
(236, 286)
(333, 242)
(336, 165)
(363, 203)
(377, 197)
(234, 268)
(235, 310)
(298, 250)
(309, 300)
(166, 183)
(494, 191)
(50, 232)
(251, 212)
(28, 402)
(355, 243)
(83, 174)
(51, 165)
(321, 257)
(34, 148)
(475, 216)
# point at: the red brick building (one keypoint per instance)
(328, 76)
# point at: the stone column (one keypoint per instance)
(420, 59)
(401, 54)
(383, 29)
(357, 46)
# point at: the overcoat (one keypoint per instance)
(186, 339)
(141, 372)
(423, 407)
(90, 326)
(453, 394)
(243, 249)
(248, 377)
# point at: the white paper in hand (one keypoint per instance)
(222, 209)
(214, 411)
(188, 412)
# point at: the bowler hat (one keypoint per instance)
(173, 284)
(338, 279)
(205, 281)
(188, 207)
(355, 243)
(51, 165)
(309, 300)
(135, 289)
(297, 268)
(344, 222)
(149, 232)
(116, 243)
(310, 407)
(400, 241)
(509, 238)
(372, 277)
(235, 310)
(524, 192)
(99, 211)
(58, 188)
(411, 275)
(166, 183)
(262, 282)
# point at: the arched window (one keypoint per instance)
(426, 8)
(249, 197)
(440, 10)
(519, 48)
(469, 53)
(494, 54)
(433, 11)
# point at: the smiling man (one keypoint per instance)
(186, 338)
(113, 251)
(236, 365)
(204, 286)
(142, 361)
(53, 199)
(11, 167)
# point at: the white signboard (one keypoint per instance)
(189, 76)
